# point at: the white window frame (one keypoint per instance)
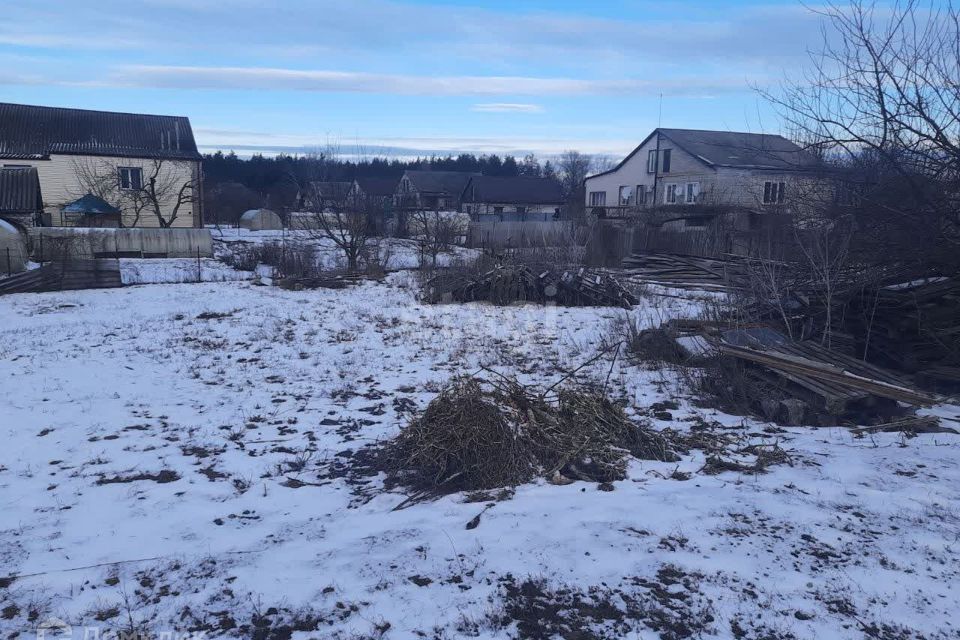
(652, 161)
(773, 191)
(598, 198)
(629, 199)
(129, 172)
(670, 193)
(691, 192)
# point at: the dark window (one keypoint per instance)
(666, 160)
(521, 210)
(773, 192)
(641, 194)
(131, 178)
(498, 209)
(652, 161)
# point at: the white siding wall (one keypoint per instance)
(60, 184)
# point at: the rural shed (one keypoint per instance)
(90, 211)
(260, 220)
(20, 199)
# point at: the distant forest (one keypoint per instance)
(233, 184)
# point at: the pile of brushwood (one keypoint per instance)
(480, 434)
(506, 284)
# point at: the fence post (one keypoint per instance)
(41, 248)
(199, 272)
(9, 268)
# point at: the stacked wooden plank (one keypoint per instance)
(838, 380)
(687, 271)
(508, 284)
(100, 273)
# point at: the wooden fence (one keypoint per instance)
(522, 235)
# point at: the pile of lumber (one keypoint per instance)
(834, 382)
(508, 284)
(332, 281)
(685, 271)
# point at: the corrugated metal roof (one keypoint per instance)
(91, 205)
(19, 190)
(450, 183)
(34, 132)
(513, 189)
(378, 186)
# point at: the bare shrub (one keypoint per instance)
(654, 346)
(479, 434)
(290, 259)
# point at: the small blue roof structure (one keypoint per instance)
(91, 205)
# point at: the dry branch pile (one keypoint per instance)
(507, 284)
(479, 434)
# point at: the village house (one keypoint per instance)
(145, 166)
(682, 167)
(373, 194)
(324, 195)
(512, 199)
(431, 190)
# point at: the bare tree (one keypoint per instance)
(882, 96)
(164, 190)
(574, 167)
(436, 232)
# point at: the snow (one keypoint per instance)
(229, 385)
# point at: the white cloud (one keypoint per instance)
(260, 78)
(506, 107)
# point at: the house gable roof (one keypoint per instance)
(20, 190)
(450, 183)
(378, 186)
(513, 189)
(733, 149)
(33, 132)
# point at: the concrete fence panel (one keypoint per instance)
(78, 242)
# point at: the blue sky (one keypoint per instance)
(410, 75)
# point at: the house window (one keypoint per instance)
(849, 194)
(598, 198)
(773, 192)
(626, 196)
(131, 178)
(666, 160)
(498, 210)
(652, 161)
(641, 194)
(692, 192)
(670, 196)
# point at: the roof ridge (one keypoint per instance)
(103, 111)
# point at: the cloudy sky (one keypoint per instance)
(404, 76)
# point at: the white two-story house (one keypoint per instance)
(677, 167)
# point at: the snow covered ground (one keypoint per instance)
(185, 458)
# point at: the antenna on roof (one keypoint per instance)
(660, 111)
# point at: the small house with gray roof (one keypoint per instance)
(431, 190)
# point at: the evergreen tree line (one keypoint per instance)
(233, 184)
